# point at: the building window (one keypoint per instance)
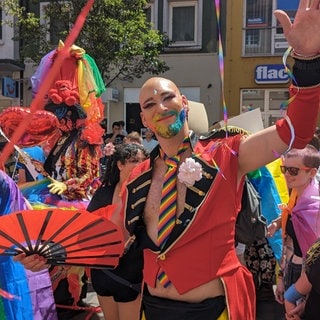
(267, 100)
(290, 7)
(262, 34)
(180, 31)
(60, 23)
(252, 38)
(258, 23)
(151, 11)
(183, 23)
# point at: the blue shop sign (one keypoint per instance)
(270, 73)
(288, 4)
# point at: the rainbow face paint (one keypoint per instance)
(174, 128)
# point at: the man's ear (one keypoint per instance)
(185, 103)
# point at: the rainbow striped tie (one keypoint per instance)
(168, 205)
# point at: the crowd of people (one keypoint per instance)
(176, 197)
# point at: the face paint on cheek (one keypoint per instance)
(173, 129)
(160, 129)
(178, 124)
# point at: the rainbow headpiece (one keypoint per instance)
(78, 76)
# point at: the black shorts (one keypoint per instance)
(156, 308)
(129, 268)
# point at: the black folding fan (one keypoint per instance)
(64, 237)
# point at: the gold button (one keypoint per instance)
(162, 257)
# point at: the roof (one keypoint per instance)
(11, 65)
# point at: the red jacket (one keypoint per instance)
(204, 249)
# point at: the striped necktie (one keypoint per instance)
(168, 204)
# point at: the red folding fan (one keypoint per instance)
(64, 237)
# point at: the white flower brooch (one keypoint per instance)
(190, 171)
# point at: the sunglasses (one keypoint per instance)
(293, 171)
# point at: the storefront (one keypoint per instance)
(269, 101)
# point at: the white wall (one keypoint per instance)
(196, 74)
(6, 43)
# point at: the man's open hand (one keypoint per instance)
(303, 35)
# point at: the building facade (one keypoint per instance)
(255, 76)
(253, 45)
(191, 54)
(11, 71)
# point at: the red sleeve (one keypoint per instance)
(303, 113)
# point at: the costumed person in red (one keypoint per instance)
(195, 273)
(71, 168)
(72, 164)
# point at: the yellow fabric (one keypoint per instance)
(286, 210)
(86, 85)
(81, 85)
(86, 81)
(224, 315)
(279, 179)
(74, 50)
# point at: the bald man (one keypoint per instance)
(198, 259)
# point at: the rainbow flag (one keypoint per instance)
(271, 185)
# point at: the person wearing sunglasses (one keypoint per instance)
(293, 171)
(301, 218)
